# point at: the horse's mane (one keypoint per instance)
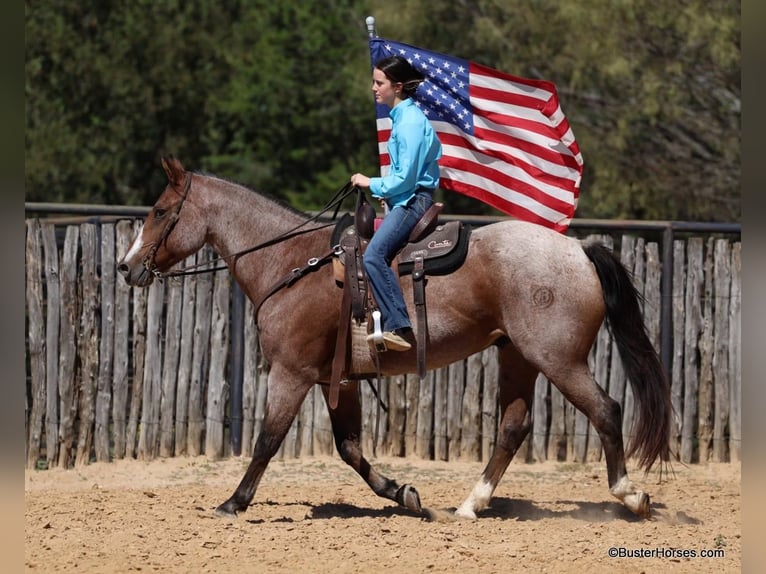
(273, 199)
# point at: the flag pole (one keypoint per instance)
(370, 21)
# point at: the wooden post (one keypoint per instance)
(122, 294)
(185, 358)
(721, 370)
(470, 437)
(218, 386)
(249, 377)
(170, 365)
(677, 383)
(441, 387)
(705, 385)
(489, 406)
(101, 438)
(425, 422)
(397, 415)
(36, 341)
(148, 437)
(87, 344)
(539, 419)
(68, 342)
(557, 439)
(735, 355)
(200, 359)
(456, 382)
(412, 391)
(692, 327)
(53, 314)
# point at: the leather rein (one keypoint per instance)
(313, 263)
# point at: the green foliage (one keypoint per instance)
(276, 94)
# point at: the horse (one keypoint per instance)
(537, 295)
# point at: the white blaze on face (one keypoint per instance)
(137, 245)
(477, 500)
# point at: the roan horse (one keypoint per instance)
(538, 296)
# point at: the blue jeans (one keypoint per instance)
(390, 237)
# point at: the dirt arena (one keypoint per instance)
(316, 515)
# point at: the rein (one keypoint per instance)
(335, 202)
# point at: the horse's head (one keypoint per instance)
(171, 231)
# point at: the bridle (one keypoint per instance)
(149, 259)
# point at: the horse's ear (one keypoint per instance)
(174, 170)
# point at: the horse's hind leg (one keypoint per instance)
(516, 392)
(346, 422)
(284, 399)
(579, 387)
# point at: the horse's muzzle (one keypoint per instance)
(137, 276)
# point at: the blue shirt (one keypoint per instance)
(414, 150)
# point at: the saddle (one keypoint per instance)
(432, 249)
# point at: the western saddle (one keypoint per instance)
(432, 249)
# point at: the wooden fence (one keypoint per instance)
(116, 372)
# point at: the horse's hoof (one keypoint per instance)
(409, 498)
(638, 502)
(226, 510)
(465, 513)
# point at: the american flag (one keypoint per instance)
(505, 139)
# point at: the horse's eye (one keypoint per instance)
(159, 212)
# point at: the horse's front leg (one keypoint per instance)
(285, 396)
(346, 422)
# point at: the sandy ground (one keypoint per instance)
(316, 515)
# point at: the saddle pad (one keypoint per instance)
(443, 251)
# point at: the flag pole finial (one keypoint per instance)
(370, 21)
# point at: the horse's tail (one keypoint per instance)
(651, 430)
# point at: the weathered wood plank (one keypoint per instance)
(539, 418)
(121, 359)
(679, 319)
(441, 387)
(692, 329)
(148, 436)
(68, 345)
(200, 358)
(705, 346)
(735, 355)
(185, 358)
(470, 436)
(87, 343)
(101, 436)
(456, 386)
(249, 377)
(218, 385)
(489, 403)
(412, 391)
(721, 369)
(397, 415)
(425, 424)
(140, 298)
(35, 342)
(53, 313)
(170, 365)
(557, 438)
